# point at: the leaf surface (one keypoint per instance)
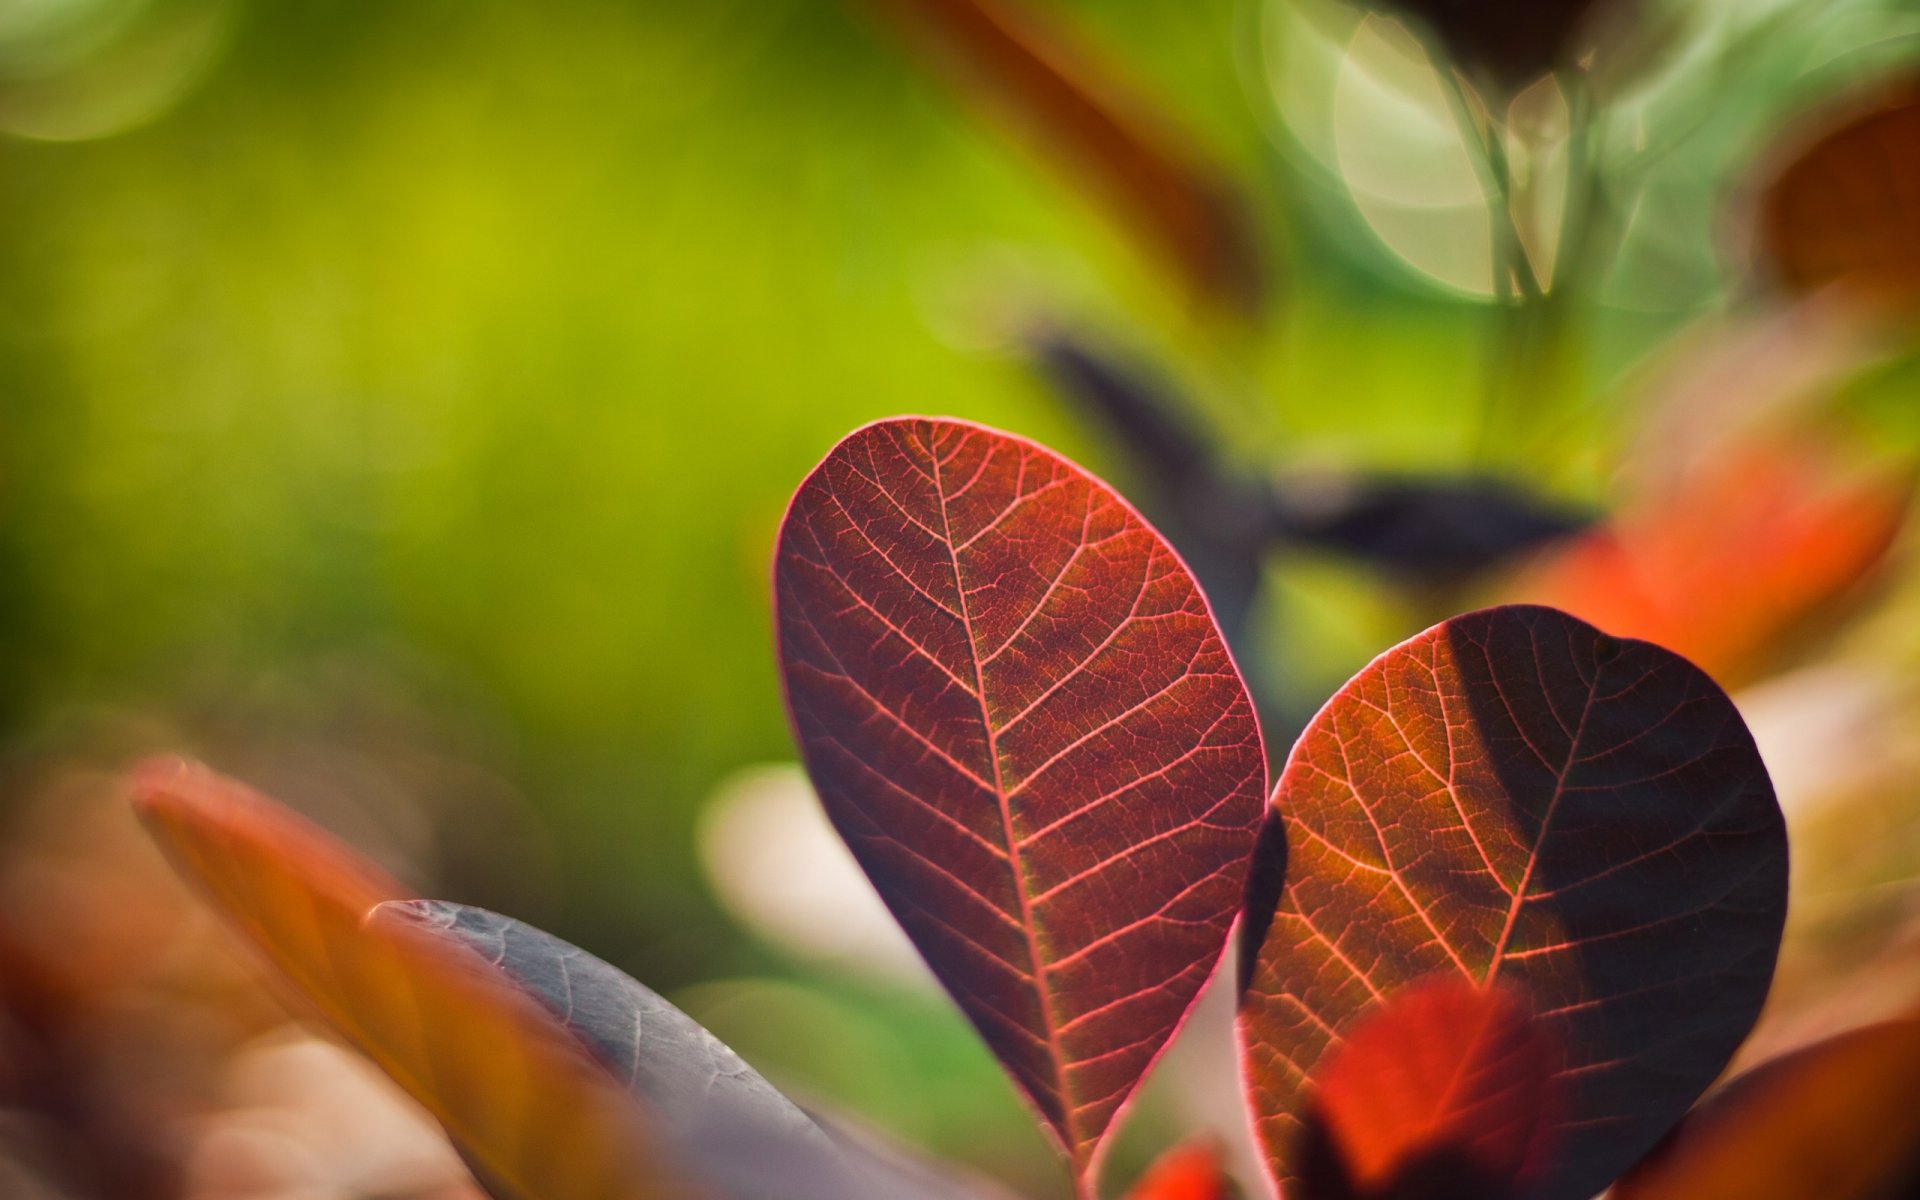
(1736, 561)
(1846, 209)
(1515, 798)
(1076, 112)
(533, 1113)
(1189, 1171)
(1450, 1089)
(1018, 712)
(1836, 1120)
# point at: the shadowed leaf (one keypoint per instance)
(1448, 1090)
(1846, 210)
(1074, 113)
(752, 1142)
(1189, 1171)
(1017, 710)
(1741, 557)
(1837, 1120)
(1513, 41)
(534, 1114)
(1515, 798)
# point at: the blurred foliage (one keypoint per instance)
(397, 400)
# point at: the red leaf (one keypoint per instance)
(1449, 1089)
(1846, 210)
(1836, 1120)
(1514, 797)
(1018, 712)
(1738, 559)
(1126, 153)
(1189, 1171)
(526, 1104)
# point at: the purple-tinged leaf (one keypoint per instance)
(1018, 711)
(1516, 798)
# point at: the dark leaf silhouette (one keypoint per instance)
(1846, 210)
(1018, 712)
(1836, 1120)
(1189, 1171)
(1515, 798)
(1450, 1089)
(1512, 41)
(535, 1115)
(1740, 558)
(1077, 114)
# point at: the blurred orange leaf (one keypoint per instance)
(1732, 562)
(1837, 1120)
(1189, 1171)
(536, 1116)
(1847, 208)
(1450, 1089)
(1122, 150)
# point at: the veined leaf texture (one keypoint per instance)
(1515, 798)
(1018, 711)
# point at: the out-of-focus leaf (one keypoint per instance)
(1742, 556)
(1448, 1090)
(1076, 114)
(1513, 41)
(1427, 531)
(1836, 1119)
(534, 1113)
(1189, 1171)
(752, 1142)
(1516, 798)
(1016, 708)
(1846, 210)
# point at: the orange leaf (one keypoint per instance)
(1836, 1119)
(529, 1108)
(1124, 152)
(1846, 210)
(1737, 559)
(1189, 1171)
(1448, 1083)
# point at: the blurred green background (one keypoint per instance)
(402, 397)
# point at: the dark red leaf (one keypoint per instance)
(1846, 210)
(1450, 1089)
(1058, 96)
(1020, 715)
(1837, 1120)
(1514, 797)
(536, 1117)
(1189, 1171)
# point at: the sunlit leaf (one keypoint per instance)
(1078, 115)
(1189, 1171)
(1017, 710)
(534, 1114)
(1448, 1090)
(1837, 1120)
(1516, 798)
(1846, 210)
(1737, 560)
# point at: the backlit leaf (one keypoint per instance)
(1740, 558)
(1837, 1120)
(1017, 710)
(1846, 210)
(1189, 1171)
(1449, 1089)
(1516, 798)
(534, 1114)
(1128, 155)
